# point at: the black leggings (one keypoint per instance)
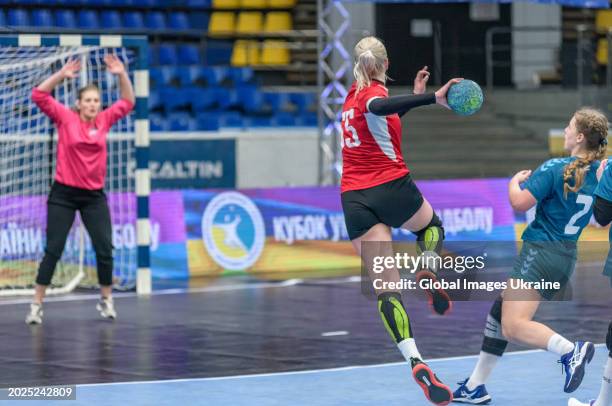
(62, 205)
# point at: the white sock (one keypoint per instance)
(559, 345)
(604, 398)
(484, 367)
(409, 349)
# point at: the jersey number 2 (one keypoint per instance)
(354, 140)
(570, 228)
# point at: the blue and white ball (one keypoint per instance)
(465, 98)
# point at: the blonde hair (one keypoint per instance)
(593, 124)
(370, 58)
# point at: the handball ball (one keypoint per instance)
(465, 98)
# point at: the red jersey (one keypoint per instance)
(371, 144)
(81, 149)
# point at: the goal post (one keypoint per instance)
(28, 143)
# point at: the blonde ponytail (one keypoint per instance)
(370, 58)
(593, 124)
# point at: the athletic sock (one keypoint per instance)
(484, 367)
(559, 345)
(605, 397)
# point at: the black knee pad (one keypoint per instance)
(494, 341)
(431, 237)
(609, 339)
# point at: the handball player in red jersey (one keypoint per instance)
(79, 176)
(378, 193)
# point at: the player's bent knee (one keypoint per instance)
(431, 237)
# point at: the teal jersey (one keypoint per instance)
(604, 190)
(558, 218)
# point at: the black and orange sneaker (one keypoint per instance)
(435, 391)
(439, 301)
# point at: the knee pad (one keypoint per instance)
(494, 341)
(609, 339)
(431, 237)
(394, 316)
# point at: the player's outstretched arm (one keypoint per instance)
(116, 67)
(68, 71)
(520, 199)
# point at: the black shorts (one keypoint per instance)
(392, 203)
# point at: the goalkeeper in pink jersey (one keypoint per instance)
(79, 176)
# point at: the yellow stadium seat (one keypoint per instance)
(245, 53)
(225, 4)
(603, 20)
(253, 4)
(602, 51)
(222, 23)
(249, 22)
(281, 3)
(278, 21)
(275, 53)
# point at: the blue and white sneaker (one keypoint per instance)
(576, 402)
(574, 362)
(478, 396)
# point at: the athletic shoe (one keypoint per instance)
(574, 363)
(106, 308)
(478, 396)
(576, 402)
(438, 299)
(435, 391)
(35, 315)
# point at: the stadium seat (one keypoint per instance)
(245, 53)
(110, 19)
(188, 54)
(225, 4)
(158, 122)
(198, 3)
(65, 19)
(18, 17)
(207, 122)
(258, 121)
(154, 101)
(602, 51)
(218, 52)
(281, 3)
(241, 76)
(181, 122)
(231, 119)
(260, 4)
(203, 99)
(163, 76)
(222, 23)
(133, 20)
(251, 99)
(88, 19)
(198, 20)
(2, 18)
(155, 20)
(174, 98)
(275, 52)
(178, 21)
(190, 75)
(603, 20)
(41, 18)
(226, 99)
(249, 22)
(278, 21)
(305, 102)
(167, 55)
(307, 120)
(283, 119)
(214, 75)
(278, 101)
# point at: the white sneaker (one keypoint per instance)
(106, 308)
(576, 402)
(35, 315)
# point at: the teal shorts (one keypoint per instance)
(545, 261)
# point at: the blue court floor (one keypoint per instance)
(521, 379)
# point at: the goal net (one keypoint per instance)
(28, 142)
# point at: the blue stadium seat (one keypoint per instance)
(178, 21)
(188, 54)
(155, 20)
(110, 19)
(154, 101)
(18, 17)
(307, 120)
(227, 98)
(65, 19)
(167, 55)
(41, 18)
(231, 119)
(2, 18)
(283, 119)
(218, 52)
(203, 100)
(258, 121)
(305, 102)
(162, 76)
(207, 122)
(174, 99)
(241, 76)
(199, 3)
(181, 122)
(277, 101)
(133, 20)
(158, 122)
(88, 19)
(190, 75)
(251, 99)
(214, 75)
(198, 20)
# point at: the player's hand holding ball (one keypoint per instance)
(441, 93)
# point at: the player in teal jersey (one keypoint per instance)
(563, 191)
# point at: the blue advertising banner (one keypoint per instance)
(192, 164)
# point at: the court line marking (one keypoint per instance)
(310, 371)
(176, 291)
(335, 333)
